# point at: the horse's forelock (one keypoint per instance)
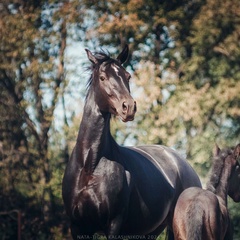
(101, 56)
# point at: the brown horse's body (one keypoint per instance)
(199, 214)
(202, 214)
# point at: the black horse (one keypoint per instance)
(203, 214)
(119, 191)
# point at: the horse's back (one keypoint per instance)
(173, 166)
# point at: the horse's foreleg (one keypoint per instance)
(115, 227)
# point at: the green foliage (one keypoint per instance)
(33, 42)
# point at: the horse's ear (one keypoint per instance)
(122, 57)
(236, 151)
(216, 150)
(91, 57)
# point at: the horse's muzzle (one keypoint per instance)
(127, 110)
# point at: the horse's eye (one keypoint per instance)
(102, 78)
(128, 75)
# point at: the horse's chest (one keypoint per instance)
(102, 196)
(89, 204)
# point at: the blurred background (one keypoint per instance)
(185, 66)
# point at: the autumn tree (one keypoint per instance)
(32, 81)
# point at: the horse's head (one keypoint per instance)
(110, 83)
(234, 183)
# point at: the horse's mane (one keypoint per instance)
(217, 168)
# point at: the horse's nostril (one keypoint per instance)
(135, 106)
(124, 107)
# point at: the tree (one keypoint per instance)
(32, 80)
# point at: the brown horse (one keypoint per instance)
(119, 191)
(203, 214)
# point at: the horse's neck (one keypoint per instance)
(94, 136)
(221, 189)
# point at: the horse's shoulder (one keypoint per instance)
(108, 166)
